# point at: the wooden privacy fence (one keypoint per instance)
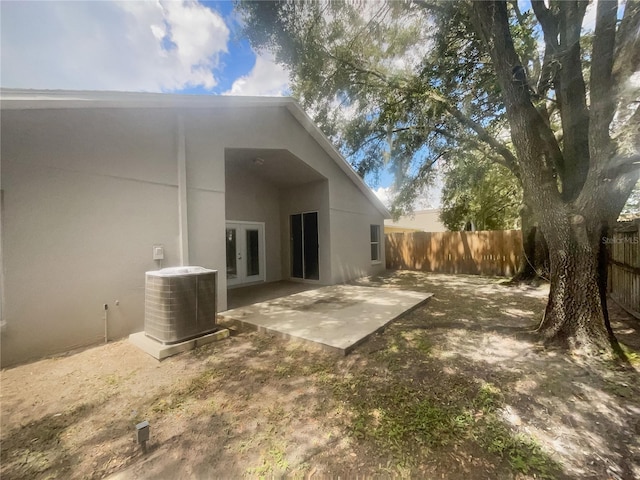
(476, 253)
(624, 267)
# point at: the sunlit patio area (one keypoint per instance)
(337, 317)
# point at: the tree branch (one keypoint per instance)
(511, 162)
(572, 98)
(530, 135)
(549, 24)
(477, 144)
(601, 85)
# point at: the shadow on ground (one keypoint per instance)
(458, 388)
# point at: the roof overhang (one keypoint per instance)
(19, 99)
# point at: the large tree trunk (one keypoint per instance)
(575, 314)
(534, 263)
(572, 216)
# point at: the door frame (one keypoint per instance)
(299, 279)
(262, 252)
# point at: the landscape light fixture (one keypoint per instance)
(142, 433)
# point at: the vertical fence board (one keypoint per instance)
(624, 267)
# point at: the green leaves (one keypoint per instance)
(481, 193)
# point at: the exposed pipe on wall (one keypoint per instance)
(106, 317)
(182, 194)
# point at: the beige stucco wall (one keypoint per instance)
(351, 218)
(252, 199)
(421, 220)
(79, 222)
(88, 192)
(344, 248)
(206, 198)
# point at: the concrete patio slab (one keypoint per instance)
(261, 292)
(338, 317)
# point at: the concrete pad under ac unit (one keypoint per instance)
(160, 351)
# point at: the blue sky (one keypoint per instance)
(154, 46)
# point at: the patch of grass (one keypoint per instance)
(424, 345)
(390, 355)
(35, 448)
(284, 370)
(195, 387)
(489, 398)
(523, 453)
(619, 389)
(200, 383)
(115, 379)
(275, 413)
(418, 340)
(274, 461)
(409, 422)
(319, 368)
(204, 351)
(399, 419)
(633, 357)
(262, 341)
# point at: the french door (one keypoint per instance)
(304, 246)
(245, 252)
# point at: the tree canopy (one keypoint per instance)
(386, 85)
(479, 195)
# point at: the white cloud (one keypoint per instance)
(385, 194)
(431, 197)
(143, 46)
(265, 78)
(589, 20)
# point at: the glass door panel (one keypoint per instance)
(304, 246)
(232, 249)
(245, 252)
(296, 247)
(310, 229)
(253, 252)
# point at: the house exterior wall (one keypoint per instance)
(251, 199)
(351, 218)
(421, 220)
(79, 222)
(206, 197)
(88, 192)
(344, 254)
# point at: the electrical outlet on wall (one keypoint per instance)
(158, 252)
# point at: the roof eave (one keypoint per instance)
(20, 99)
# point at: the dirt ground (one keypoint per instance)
(459, 389)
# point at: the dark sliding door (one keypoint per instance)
(304, 246)
(297, 254)
(310, 235)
